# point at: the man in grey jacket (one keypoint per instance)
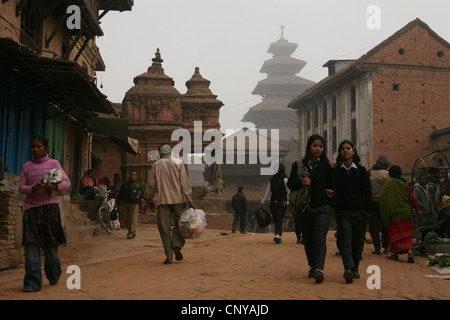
(424, 202)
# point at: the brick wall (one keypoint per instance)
(410, 98)
(11, 212)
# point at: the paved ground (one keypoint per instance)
(221, 267)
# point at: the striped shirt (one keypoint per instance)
(32, 173)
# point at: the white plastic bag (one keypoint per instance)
(53, 176)
(192, 223)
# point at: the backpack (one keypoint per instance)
(299, 199)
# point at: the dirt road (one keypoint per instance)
(220, 267)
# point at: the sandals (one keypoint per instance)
(394, 257)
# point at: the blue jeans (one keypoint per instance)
(33, 272)
(241, 219)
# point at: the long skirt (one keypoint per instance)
(400, 235)
(42, 225)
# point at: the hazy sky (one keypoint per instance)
(228, 40)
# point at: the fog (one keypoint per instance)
(228, 40)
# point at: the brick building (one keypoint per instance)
(47, 86)
(388, 101)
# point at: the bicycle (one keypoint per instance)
(106, 213)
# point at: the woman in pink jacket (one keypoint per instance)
(42, 219)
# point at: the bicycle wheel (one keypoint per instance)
(105, 220)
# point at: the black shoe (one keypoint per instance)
(311, 272)
(168, 261)
(53, 282)
(355, 274)
(178, 255)
(319, 276)
(348, 276)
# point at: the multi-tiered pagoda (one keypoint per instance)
(277, 90)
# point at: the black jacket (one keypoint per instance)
(353, 190)
(322, 178)
(125, 194)
(239, 203)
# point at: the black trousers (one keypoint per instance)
(298, 226)
(278, 211)
(376, 227)
(351, 231)
(315, 225)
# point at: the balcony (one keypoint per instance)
(89, 14)
(116, 5)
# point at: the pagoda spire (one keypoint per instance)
(156, 66)
(282, 33)
(157, 61)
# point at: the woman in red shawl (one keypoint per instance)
(395, 200)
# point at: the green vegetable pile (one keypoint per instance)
(432, 237)
(141, 186)
(441, 261)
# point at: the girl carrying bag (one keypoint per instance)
(299, 199)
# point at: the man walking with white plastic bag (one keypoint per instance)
(168, 189)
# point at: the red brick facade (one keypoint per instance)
(403, 116)
(401, 94)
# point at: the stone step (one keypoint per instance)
(80, 220)
(77, 234)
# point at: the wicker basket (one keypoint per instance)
(433, 248)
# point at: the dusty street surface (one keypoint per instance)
(220, 267)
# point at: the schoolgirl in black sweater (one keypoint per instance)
(353, 193)
(316, 221)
